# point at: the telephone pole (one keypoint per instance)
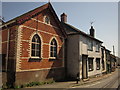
(113, 50)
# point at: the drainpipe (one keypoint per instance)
(7, 48)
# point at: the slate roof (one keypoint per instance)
(71, 30)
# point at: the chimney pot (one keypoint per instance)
(63, 18)
(92, 31)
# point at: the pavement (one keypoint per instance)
(0, 79)
(70, 84)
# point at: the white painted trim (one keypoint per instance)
(38, 69)
(43, 43)
(44, 19)
(18, 51)
(29, 57)
(8, 23)
(49, 46)
(30, 42)
(4, 41)
(25, 40)
(42, 31)
(44, 23)
(7, 41)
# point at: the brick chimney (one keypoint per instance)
(63, 18)
(92, 31)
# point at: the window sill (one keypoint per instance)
(98, 69)
(52, 58)
(34, 59)
(90, 70)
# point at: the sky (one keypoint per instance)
(79, 14)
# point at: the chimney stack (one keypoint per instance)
(63, 18)
(92, 31)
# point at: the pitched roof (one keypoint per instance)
(27, 15)
(22, 18)
(71, 30)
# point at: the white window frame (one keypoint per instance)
(97, 47)
(97, 67)
(39, 50)
(90, 63)
(50, 48)
(45, 19)
(90, 45)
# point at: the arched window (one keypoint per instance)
(36, 46)
(53, 48)
(47, 20)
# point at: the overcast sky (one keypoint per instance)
(79, 14)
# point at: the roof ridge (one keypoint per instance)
(78, 30)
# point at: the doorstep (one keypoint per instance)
(87, 79)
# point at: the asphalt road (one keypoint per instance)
(108, 82)
(111, 83)
(0, 79)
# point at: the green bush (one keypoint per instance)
(5, 86)
(38, 83)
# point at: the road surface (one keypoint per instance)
(111, 83)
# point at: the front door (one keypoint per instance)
(84, 67)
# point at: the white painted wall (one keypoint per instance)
(83, 44)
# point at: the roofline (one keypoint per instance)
(107, 50)
(8, 23)
(19, 20)
(81, 32)
(15, 19)
(59, 23)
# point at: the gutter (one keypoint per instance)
(8, 23)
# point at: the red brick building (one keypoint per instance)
(33, 47)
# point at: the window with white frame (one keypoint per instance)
(53, 49)
(90, 45)
(90, 64)
(98, 63)
(47, 20)
(97, 47)
(36, 46)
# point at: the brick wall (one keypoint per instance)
(19, 51)
(9, 35)
(46, 33)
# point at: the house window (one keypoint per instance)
(90, 45)
(53, 49)
(47, 20)
(97, 47)
(36, 46)
(98, 63)
(90, 64)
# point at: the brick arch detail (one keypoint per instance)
(50, 42)
(30, 41)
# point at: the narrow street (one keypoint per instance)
(109, 82)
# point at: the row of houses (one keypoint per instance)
(37, 46)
